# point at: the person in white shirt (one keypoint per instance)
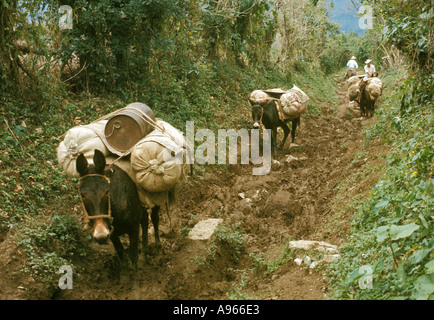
(352, 65)
(369, 69)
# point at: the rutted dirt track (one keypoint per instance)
(292, 202)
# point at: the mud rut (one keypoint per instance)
(292, 202)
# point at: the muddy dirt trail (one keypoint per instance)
(293, 202)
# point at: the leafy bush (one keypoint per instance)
(408, 26)
(50, 245)
(232, 238)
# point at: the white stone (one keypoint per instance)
(275, 164)
(290, 158)
(308, 245)
(204, 229)
(328, 258)
(331, 250)
(298, 261)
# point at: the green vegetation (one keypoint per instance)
(49, 246)
(268, 266)
(235, 293)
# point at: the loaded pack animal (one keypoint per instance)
(369, 92)
(266, 113)
(365, 102)
(113, 207)
(353, 88)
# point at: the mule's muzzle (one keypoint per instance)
(256, 125)
(101, 232)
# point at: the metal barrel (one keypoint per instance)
(129, 126)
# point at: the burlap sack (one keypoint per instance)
(160, 159)
(377, 81)
(259, 96)
(293, 103)
(81, 139)
(148, 199)
(374, 90)
(353, 80)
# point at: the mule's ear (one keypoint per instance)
(81, 165)
(99, 161)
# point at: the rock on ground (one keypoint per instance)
(204, 229)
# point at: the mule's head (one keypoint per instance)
(257, 112)
(94, 191)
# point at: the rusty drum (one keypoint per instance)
(129, 126)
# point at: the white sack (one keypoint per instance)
(374, 90)
(294, 102)
(353, 80)
(80, 139)
(159, 159)
(259, 96)
(378, 82)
